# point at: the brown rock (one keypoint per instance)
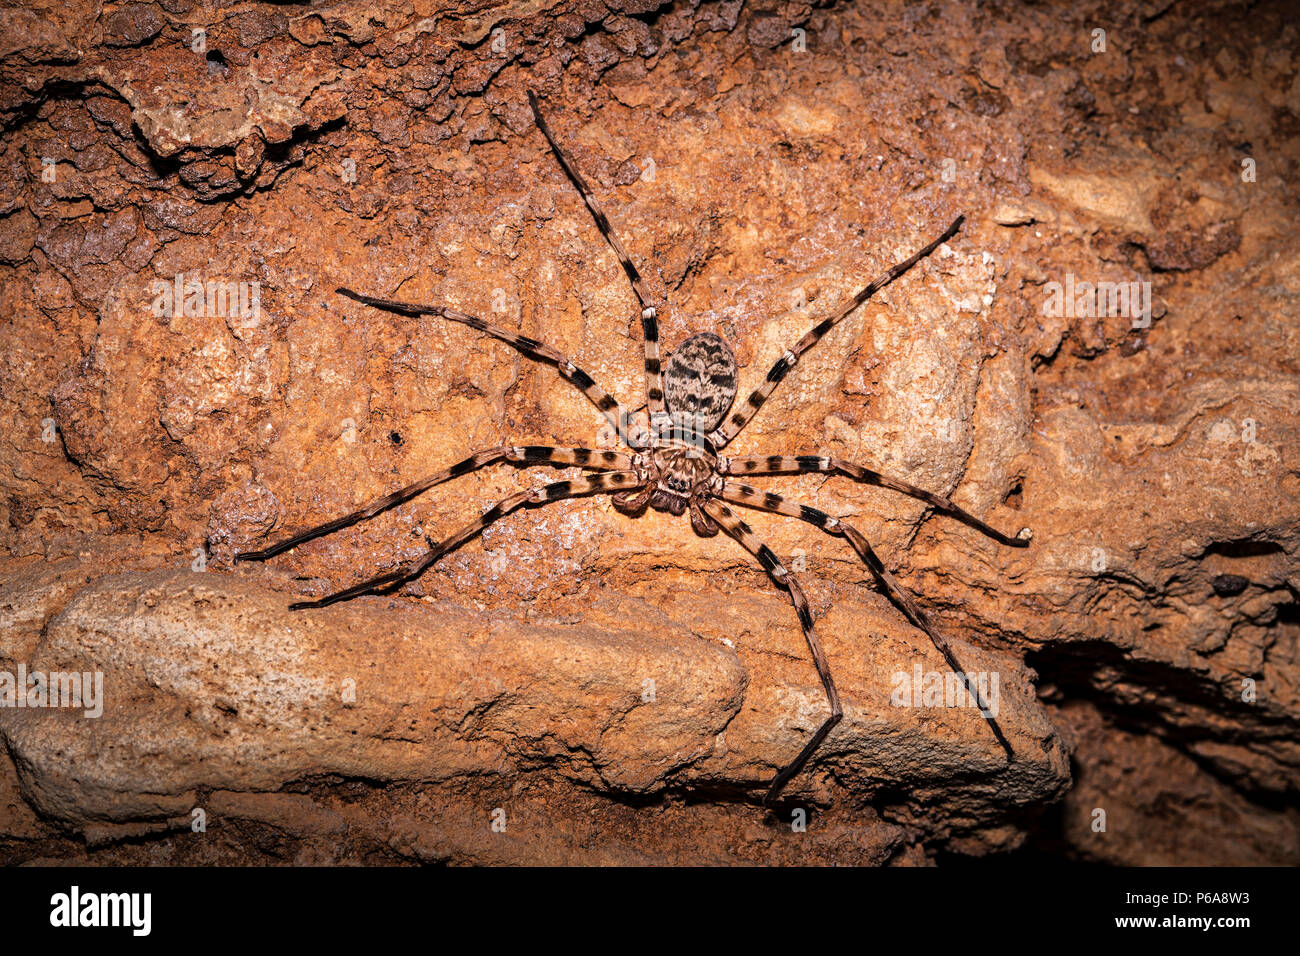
(757, 183)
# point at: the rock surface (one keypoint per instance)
(616, 689)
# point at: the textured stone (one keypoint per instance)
(1148, 635)
(210, 683)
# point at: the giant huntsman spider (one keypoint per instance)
(676, 465)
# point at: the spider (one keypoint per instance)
(676, 465)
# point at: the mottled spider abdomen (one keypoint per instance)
(700, 382)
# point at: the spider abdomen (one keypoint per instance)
(700, 382)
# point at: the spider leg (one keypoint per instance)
(740, 418)
(604, 482)
(798, 464)
(649, 315)
(526, 455)
(765, 501)
(734, 526)
(531, 348)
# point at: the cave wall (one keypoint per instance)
(761, 161)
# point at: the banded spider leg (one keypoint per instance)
(731, 523)
(649, 313)
(604, 483)
(528, 347)
(782, 464)
(525, 455)
(739, 419)
(802, 464)
(751, 497)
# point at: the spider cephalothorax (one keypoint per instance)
(675, 465)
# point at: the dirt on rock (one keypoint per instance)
(1106, 352)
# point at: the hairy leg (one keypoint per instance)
(519, 455)
(740, 418)
(766, 501)
(731, 523)
(799, 464)
(604, 482)
(532, 348)
(649, 314)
